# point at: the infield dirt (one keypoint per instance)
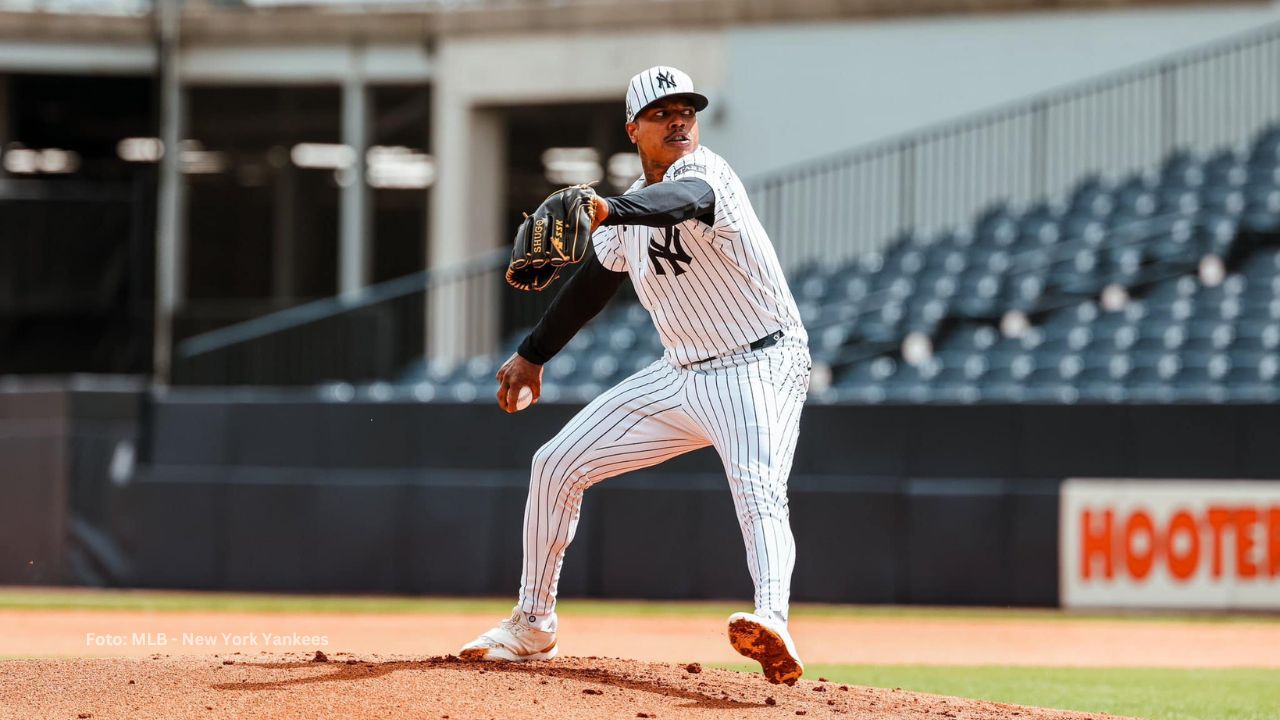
(393, 665)
(355, 688)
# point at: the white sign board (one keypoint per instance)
(1170, 544)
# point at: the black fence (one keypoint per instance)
(890, 504)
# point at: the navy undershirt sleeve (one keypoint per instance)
(586, 293)
(583, 297)
(664, 204)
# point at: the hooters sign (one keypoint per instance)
(1170, 544)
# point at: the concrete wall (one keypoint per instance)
(66, 445)
(34, 437)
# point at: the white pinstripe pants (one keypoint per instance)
(747, 406)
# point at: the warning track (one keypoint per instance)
(1023, 639)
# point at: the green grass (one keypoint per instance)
(173, 601)
(1158, 694)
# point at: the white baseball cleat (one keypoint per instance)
(768, 643)
(512, 640)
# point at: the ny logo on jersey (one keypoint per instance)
(665, 80)
(672, 250)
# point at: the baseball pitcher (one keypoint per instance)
(734, 373)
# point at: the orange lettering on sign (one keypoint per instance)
(1246, 523)
(1237, 541)
(1096, 544)
(1139, 560)
(1219, 518)
(1182, 565)
(1273, 541)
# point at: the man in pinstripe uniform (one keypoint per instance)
(734, 374)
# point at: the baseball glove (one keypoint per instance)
(558, 233)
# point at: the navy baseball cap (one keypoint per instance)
(658, 82)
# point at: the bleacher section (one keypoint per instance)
(1096, 298)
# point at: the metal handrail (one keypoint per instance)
(325, 308)
(1027, 104)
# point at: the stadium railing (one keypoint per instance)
(366, 336)
(839, 207)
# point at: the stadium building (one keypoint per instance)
(251, 254)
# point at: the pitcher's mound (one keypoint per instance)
(355, 688)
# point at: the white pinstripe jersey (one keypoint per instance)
(710, 289)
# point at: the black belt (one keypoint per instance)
(767, 341)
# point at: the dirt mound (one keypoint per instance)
(340, 685)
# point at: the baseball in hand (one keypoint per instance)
(524, 398)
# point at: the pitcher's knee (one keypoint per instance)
(550, 464)
(544, 460)
(553, 457)
(553, 470)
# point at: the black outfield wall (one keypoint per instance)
(890, 504)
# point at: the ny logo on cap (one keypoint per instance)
(665, 80)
